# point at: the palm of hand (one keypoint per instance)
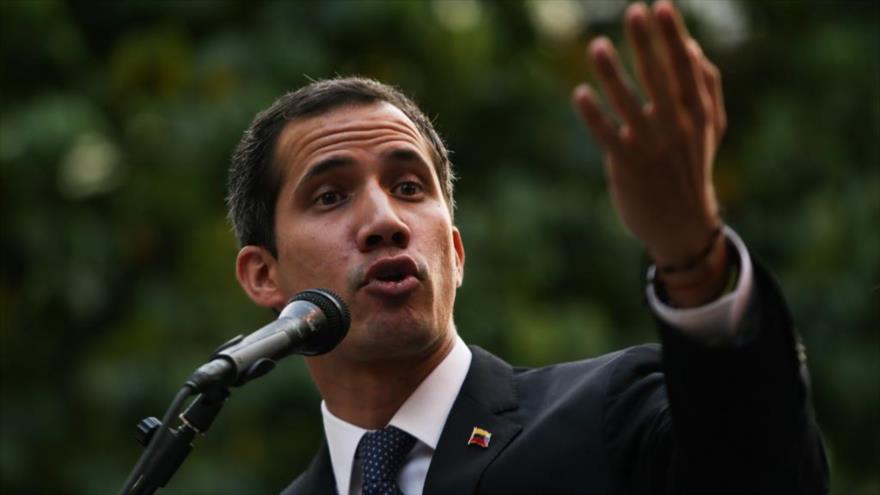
(659, 161)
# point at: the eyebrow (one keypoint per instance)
(395, 155)
(326, 165)
(402, 155)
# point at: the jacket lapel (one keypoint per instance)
(318, 478)
(487, 392)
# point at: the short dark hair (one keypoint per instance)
(254, 179)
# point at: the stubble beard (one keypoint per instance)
(403, 331)
(398, 334)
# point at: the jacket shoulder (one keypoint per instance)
(596, 384)
(623, 365)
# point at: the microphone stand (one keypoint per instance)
(167, 448)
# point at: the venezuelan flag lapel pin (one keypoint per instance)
(480, 437)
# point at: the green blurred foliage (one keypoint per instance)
(118, 119)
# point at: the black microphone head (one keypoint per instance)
(335, 312)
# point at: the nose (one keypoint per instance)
(382, 226)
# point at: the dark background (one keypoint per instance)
(118, 119)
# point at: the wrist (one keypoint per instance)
(681, 252)
(700, 280)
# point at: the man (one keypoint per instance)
(345, 185)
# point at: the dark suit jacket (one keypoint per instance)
(684, 418)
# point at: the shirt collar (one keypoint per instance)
(423, 415)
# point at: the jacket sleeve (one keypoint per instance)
(704, 419)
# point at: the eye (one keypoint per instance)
(408, 188)
(330, 198)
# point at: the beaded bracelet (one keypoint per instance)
(733, 274)
(696, 260)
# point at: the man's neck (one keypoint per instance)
(368, 394)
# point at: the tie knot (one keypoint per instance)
(382, 453)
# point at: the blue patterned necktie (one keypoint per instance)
(382, 453)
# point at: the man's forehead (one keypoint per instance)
(351, 123)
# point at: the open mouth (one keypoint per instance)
(392, 277)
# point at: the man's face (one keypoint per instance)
(361, 212)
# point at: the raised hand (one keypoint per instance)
(659, 157)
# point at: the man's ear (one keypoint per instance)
(257, 272)
(459, 255)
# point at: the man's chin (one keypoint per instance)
(390, 337)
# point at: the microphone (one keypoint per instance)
(312, 323)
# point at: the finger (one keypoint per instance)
(616, 84)
(686, 74)
(602, 128)
(703, 90)
(650, 66)
(713, 82)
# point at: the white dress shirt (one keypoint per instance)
(424, 413)
(423, 416)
